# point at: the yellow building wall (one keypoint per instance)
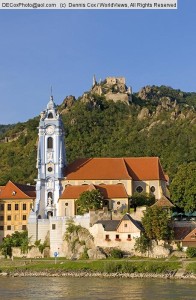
(16, 218)
(160, 187)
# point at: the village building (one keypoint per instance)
(117, 233)
(16, 202)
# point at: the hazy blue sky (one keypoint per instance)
(40, 48)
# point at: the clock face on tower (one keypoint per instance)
(50, 129)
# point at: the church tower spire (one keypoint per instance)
(51, 161)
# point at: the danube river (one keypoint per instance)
(95, 288)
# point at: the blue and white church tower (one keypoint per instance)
(51, 161)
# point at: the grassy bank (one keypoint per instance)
(102, 266)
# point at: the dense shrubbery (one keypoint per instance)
(17, 239)
(116, 253)
(139, 267)
(191, 252)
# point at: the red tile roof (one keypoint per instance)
(137, 168)
(74, 191)
(17, 191)
(144, 168)
(97, 168)
(112, 191)
(1, 188)
(108, 191)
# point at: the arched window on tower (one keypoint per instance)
(50, 195)
(50, 143)
(50, 116)
(50, 199)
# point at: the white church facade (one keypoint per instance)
(59, 185)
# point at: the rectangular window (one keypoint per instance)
(53, 226)
(1, 218)
(117, 237)
(24, 206)
(9, 207)
(24, 217)
(1, 206)
(125, 225)
(24, 227)
(129, 236)
(1, 228)
(8, 227)
(16, 206)
(107, 237)
(9, 218)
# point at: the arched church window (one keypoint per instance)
(50, 116)
(50, 143)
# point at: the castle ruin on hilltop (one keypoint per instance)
(113, 88)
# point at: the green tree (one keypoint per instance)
(17, 239)
(140, 199)
(156, 224)
(142, 244)
(89, 200)
(183, 187)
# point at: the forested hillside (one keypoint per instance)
(160, 121)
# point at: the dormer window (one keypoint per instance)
(14, 193)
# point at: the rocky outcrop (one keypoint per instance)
(145, 92)
(79, 243)
(96, 253)
(159, 251)
(143, 114)
(68, 102)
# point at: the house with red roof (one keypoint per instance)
(16, 201)
(115, 197)
(116, 178)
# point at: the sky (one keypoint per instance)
(65, 48)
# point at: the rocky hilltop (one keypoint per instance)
(110, 120)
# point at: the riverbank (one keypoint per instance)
(81, 274)
(100, 268)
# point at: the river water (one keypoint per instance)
(95, 288)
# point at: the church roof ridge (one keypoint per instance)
(116, 168)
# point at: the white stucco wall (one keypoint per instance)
(124, 244)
